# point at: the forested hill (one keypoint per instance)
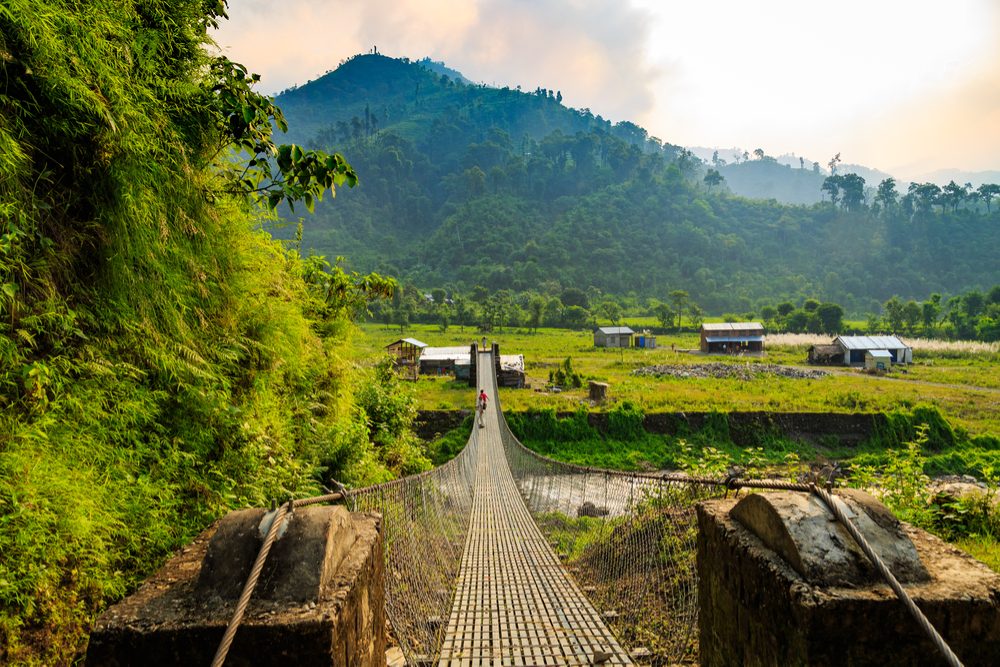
(465, 185)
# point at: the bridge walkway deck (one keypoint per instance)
(514, 603)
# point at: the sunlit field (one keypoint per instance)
(963, 382)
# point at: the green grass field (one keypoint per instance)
(965, 388)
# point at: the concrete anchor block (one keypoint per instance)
(798, 527)
(320, 599)
(758, 606)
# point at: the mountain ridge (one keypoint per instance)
(468, 185)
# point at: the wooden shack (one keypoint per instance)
(613, 337)
(826, 355)
(511, 373)
(732, 337)
(406, 354)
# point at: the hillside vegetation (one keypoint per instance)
(468, 185)
(162, 359)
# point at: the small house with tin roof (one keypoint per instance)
(443, 360)
(732, 337)
(406, 354)
(613, 337)
(511, 373)
(856, 347)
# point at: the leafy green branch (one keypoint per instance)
(273, 173)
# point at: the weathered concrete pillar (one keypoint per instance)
(598, 391)
(319, 600)
(782, 583)
(473, 363)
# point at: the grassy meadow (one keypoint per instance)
(942, 417)
(963, 386)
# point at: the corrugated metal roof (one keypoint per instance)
(444, 356)
(411, 341)
(734, 339)
(615, 330)
(732, 326)
(512, 362)
(870, 343)
(879, 353)
(451, 350)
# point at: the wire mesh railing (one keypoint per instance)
(425, 520)
(628, 539)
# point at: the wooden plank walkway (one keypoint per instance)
(514, 603)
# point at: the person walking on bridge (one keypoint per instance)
(482, 407)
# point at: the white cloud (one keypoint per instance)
(894, 83)
(591, 50)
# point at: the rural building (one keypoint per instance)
(406, 352)
(443, 360)
(827, 355)
(877, 360)
(613, 337)
(645, 340)
(855, 347)
(511, 372)
(732, 337)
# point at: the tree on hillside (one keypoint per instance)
(462, 311)
(832, 164)
(986, 192)
(930, 311)
(769, 314)
(572, 296)
(831, 317)
(853, 188)
(536, 312)
(831, 185)
(664, 315)
(924, 196)
(713, 178)
(893, 309)
(679, 300)
(696, 315)
(953, 195)
(886, 196)
(611, 310)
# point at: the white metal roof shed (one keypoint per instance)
(870, 343)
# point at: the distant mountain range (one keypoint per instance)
(465, 184)
(746, 176)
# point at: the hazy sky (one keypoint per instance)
(907, 86)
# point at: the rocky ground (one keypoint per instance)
(727, 371)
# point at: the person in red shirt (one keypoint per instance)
(482, 407)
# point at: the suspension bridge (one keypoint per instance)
(504, 557)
